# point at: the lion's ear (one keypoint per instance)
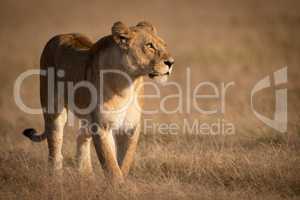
(121, 34)
(148, 26)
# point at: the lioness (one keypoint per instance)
(134, 51)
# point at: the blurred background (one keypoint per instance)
(221, 42)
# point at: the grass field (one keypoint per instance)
(220, 42)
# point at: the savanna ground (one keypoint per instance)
(239, 41)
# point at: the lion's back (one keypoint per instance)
(68, 53)
(68, 46)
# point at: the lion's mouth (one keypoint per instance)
(155, 74)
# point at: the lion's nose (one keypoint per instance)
(169, 62)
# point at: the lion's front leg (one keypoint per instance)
(127, 144)
(106, 152)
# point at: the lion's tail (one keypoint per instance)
(34, 136)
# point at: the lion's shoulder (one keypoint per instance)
(102, 44)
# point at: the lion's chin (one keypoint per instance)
(161, 79)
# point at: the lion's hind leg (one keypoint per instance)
(83, 155)
(54, 126)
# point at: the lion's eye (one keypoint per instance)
(150, 46)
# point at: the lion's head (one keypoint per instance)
(145, 53)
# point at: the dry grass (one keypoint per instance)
(207, 167)
(240, 41)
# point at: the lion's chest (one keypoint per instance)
(125, 116)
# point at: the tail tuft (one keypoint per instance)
(34, 136)
(30, 132)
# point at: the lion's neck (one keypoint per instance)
(112, 73)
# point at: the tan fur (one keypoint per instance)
(136, 51)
